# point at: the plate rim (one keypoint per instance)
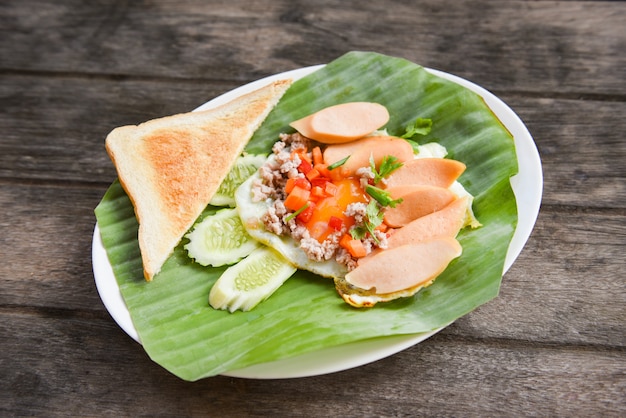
(527, 187)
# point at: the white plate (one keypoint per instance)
(527, 186)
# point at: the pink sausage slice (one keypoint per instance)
(417, 201)
(405, 267)
(446, 222)
(343, 123)
(440, 172)
(359, 152)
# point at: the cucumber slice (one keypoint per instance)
(244, 167)
(251, 281)
(220, 239)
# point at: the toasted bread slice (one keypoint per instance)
(171, 167)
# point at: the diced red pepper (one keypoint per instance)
(305, 167)
(335, 223)
(306, 215)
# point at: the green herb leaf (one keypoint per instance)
(414, 145)
(373, 218)
(382, 196)
(374, 214)
(358, 232)
(296, 213)
(338, 163)
(421, 126)
(388, 165)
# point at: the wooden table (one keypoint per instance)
(552, 344)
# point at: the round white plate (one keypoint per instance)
(527, 186)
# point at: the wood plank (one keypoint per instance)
(45, 236)
(553, 343)
(580, 142)
(496, 44)
(97, 370)
(55, 127)
(574, 256)
(582, 149)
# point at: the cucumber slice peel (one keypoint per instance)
(220, 239)
(251, 281)
(244, 167)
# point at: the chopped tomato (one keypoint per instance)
(343, 242)
(303, 183)
(338, 173)
(305, 215)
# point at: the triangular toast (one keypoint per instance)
(171, 167)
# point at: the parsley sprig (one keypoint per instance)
(388, 165)
(421, 126)
(373, 218)
(374, 212)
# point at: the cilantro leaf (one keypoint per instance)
(421, 126)
(373, 218)
(388, 165)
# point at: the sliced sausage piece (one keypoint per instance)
(343, 122)
(440, 172)
(359, 152)
(446, 222)
(417, 201)
(405, 267)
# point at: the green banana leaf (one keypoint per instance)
(182, 333)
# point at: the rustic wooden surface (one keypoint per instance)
(552, 344)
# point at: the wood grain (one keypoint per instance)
(580, 142)
(482, 378)
(553, 343)
(560, 47)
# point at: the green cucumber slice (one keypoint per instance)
(244, 167)
(251, 281)
(220, 239)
